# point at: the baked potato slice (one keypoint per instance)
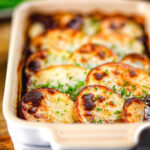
(137, 60)
(99, 104)
(121, 44)
(47, 105)
(91, 25)
(92, 55)
(46, 58)
(121, 25)
(66, 39)
(125, 79)
(35, 30)
(66, 78)
(133, 110)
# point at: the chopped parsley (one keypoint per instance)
(70, 77)
(133, 87)
(86, 93)
(99, 121)
(110, 93)
(114, 88)
(98, 109)
(126, 83)
(123, 92)
(117, 112)
(57, 112)
(96, 88)
(58, 99)
(107, 72)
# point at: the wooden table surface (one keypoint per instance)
(5, 140)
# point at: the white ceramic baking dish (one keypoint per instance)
(29, 135)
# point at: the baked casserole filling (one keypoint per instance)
(91, 68)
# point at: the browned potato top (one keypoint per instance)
(133, 110)
(99, 104)
(137, 60)
(87, 68)
(123, 78)
(47, 105)
(91, 55)
(121, 25)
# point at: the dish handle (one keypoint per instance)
(78, 136)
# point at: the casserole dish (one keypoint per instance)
(31, 135)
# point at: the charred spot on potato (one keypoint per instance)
(116, 26)
(88, 113)
(101, 98)
(76, 22)
(88, 102)
(32, 110)
(116, 72)
(132, 73)
(43, 55)
(99, 76)
(142, 39)
(33, 96)
(111, 103)
(101, 54)
(133, 110)
(101, 105)
(51, 91)
(37, 116)
(34, 65)
(84, 50)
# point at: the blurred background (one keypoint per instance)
(6, 9)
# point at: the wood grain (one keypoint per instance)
(5, 140)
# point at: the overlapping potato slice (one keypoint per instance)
(121, 25)
(121, 44)
(66, 39)
(35, 30)
(66, 78)
(64, 18)
(123, 78)
(92, 55)
(47, 105)
(91, 25)
(137, 60)
(133, 110)
(99, 104)
(46, 58)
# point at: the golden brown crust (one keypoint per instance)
(133, 110)
(44, 59)
(66, 39)
(120, 25)
(137, 60)
(47, 105)
(91, 55)
(99, 104)
(66, 78)
(123, 78)
(121, 44)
